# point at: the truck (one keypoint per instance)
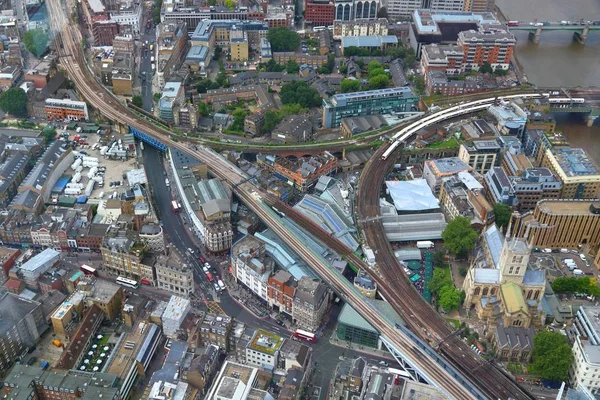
(175, 206)
(425, 244)
(57, 343)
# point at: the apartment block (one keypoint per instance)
(60, 109)
(533, 185)
(492, 44)
(585, 369)
(263, 350)
(319, 12)
(171, 47)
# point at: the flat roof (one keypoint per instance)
(575, 161)
(578, 207)
(265, 342)
(415, 195)
(349, 316)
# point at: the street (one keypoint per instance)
(325, 354)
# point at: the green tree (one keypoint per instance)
(156, 12)
(229, 4)
(486, 68)
(272, 118)
(552, 356)
(459, 237)
(272, 66)
(206, 84)
(450, 298)
(583, 285)
(343, 69)
(14, 102)
(350, 85)
(156, 97)
(292, 67)
(502, 213)
(382, 13)
(218, 51)
(301, 93)
(378, 82)
(36, 41)
(441, 277)
(439, 257)
(283, 39)
(203, 109)
(137, 101)
(419, 83)
(410, 57)
(239, 115)
(49, 133)
(373, 66)
(500, 72)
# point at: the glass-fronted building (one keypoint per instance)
(355, 329)
(372, 102)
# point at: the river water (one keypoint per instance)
(559, 60)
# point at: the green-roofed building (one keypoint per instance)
(355, 329)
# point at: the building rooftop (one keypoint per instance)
(266, 342)
(176, 308)
(448, 166)
(575, 162)
(341, 99)
(426, 21)
(412, 195)
(368, 41)
(40, 260)
(572, 207)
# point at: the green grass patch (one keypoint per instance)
(450, 143)
(454, 322)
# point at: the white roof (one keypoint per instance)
(40, 260)
(469, 181)
(487, 275)
(413, 195)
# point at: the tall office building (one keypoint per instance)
(404, 8)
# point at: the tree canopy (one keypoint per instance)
(36, 41)
(552, 356)
(583, 285)
(502, 213)
(49, 133)
(14, 102)
(378, 82)
(274, 117)
(292, 67)
(441, 277)
(350, 85)
(301, 93)
(486, 68)
(137, 101)
(450, 298)
(283, 39)
(459, 237)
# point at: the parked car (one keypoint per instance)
(546, 250)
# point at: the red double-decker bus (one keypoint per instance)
(87, 270)
(306, 336)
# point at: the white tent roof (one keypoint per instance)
(412, 195)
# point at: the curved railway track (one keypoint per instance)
(426, 322)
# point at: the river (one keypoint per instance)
(559, 60)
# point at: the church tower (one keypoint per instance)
(514, 258)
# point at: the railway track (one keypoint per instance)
(427, 323)
(69, 40)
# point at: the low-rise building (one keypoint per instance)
(462, 195)
(215, 329)
(513, 343)
(152, 236)
(174, 275)
(125, 257)
(360, 27)
(238, 381)
(172, 95)
(365, 285)
(36, 266)
(281, 291)
(263, 350)
(21, 325)
(251, 266)
(585, 368)
(171, 47)
(481, 155)
(174, 314)
(293, 129)
(373, 42)
(435, 170)
(305, 172)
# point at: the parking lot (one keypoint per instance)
(112, 169)
(556, 265)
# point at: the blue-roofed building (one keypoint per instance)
(357, 104)
(61, 184)
(579, 175)
(376, 42)
(329, 216)
(198, 58)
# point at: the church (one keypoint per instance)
(500, 287)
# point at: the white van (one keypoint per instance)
(577, 272)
